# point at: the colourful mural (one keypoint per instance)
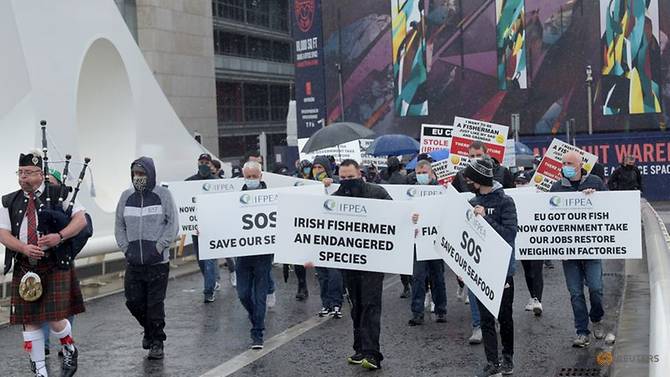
(562, 37)
(631, 56)
(409, 57)
(511, 44)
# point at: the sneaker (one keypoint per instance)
(38, 373)
(549, 264)
(530, 304)
(323, 312)
(537, 307)
(69, 364)
(432, 307)
(441, 318)
(336, 313)
(217, 286)
(490, 369)
(417, 320)
(46, 351)
(371, 363)
(467, 298)
(271, 300)
(598, 330)
(507, 365)
(210, 298)
(302, 294)
(257, 345)
(459, 293)
(581, 341)
(146, 343)
(427, 300)
(233, 279)
(156, 351)
(356, 359)
(406, 292)
(476, 337)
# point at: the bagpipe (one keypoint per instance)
(54, 216)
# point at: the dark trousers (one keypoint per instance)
(301, 274)
(433, 271)
(532, 270)
(145, 288)
(330, 282)
(488, 325)
(253, 283)
(365, 292)
(406, 280)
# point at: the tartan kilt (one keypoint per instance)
(61, 294)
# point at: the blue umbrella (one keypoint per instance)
(393, 145)
(438, 155)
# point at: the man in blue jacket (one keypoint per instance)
(498, 209)
(146, 225)
(583, 271)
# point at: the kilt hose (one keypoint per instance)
(61, 294)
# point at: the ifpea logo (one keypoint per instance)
(555, 201)
(330, 205)
(206, 187)
(411, 192)
(245, 198)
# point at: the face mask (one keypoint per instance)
(321, 176)
(140, 183)
(472, 188)
(569, 172)
(306, 171)
(423, 179)
(204, 170)
(252, 183)
(352, 186)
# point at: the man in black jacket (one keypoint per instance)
(364, 287)
(500, 173)
(626, 177)
(395, 177)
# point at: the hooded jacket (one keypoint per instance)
(589, 181)
(501, 215)
(325, 162)
(146, 222)
(625, 178)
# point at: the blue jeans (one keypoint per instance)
(330, 282)
(46, 328)
(589, 272)
(252, 288)
(209, 269)
(434, 271)
(271, 281)
(474, 309)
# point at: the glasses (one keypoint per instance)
(28, 173)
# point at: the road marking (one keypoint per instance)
(247, 357)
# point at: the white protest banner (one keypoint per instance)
(473, 250)
(273, 180)
(443, 171)
(184, 194)
(241, 223)
(549, 170)
(411, 192)
(510, 154)
(573, 225)
(350, 150)
(368, 159)
(346, 233)
(435, 137)
(494, 136)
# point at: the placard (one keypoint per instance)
(549, 170)
(435, 137)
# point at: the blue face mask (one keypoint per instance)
(423, 179)
(569, 172)
(252, 183)
(307, 171)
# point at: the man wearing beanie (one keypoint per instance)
(499, 211)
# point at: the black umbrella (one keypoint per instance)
(336, 134)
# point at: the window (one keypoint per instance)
(256, 102)
(281, 51)
(229, 102)
(230, 9)
(258, 12)
(260, 48)
(251, 102)
(272, 14)
(279, 98)
(227, 43)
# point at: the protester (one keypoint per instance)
(216, 169)
(146, 225)
(500, 173)
(372, 174)
(304, 170)
(35, 256)
(208, 268)
(580, 272)
(330, 279)
(433, 270)
(364, 287)
(498, 209)
(626, 177)
(253, 272)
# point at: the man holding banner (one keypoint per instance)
(579, 272)
(499, 211)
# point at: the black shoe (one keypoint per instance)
(356, 359)
(371, 363)
(33, 368)
(507, 366)
(336, 312)
(69, 365)
(441, 318)
(324, 312)
(302, 294)
(489, 370)
(257, 344)
(146, 343)
(156, 351)
(406, 292)
(46, 351)
(209, 298)
(417, 320)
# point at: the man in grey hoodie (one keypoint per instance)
(146, 225)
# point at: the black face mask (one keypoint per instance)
(352, 187)
(204, 171)
(471, 188)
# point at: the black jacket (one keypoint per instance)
(587, 182)
(369, 191)
(501, 175)
(397, 178)
(501, 215)
(625, 178)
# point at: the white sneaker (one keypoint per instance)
(427, 300)
(432, 307)
(598, 330)
(233, 279)
(476, 337)
(467, 296)
(530, 305)
(271, 301)
(459, 293)
(537, 307)
(217, 286)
